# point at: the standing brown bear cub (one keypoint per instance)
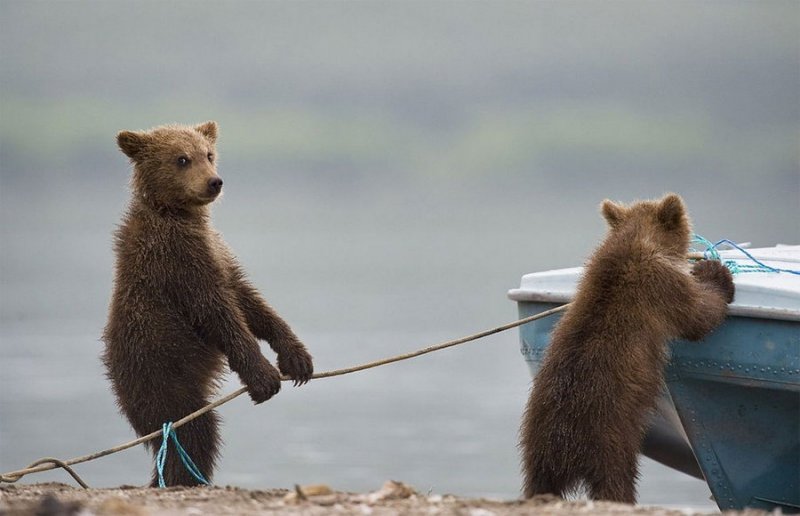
(181, 304)
(588, 410)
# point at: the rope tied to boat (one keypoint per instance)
(711, 252)
(168, 429)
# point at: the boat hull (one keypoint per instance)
(732, 409)
(738, 396)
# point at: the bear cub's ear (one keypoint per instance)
(614, 213)
(132, 143)
(671, 211)
(209, 130)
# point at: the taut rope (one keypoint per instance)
(49, 463)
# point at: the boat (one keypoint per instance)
(730, 410)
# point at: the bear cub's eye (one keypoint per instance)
(210, 157)
(183, 161)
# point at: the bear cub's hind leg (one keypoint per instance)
(615, 481)
(200, 439)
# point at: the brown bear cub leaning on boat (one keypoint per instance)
(181, 303)
(589, 407)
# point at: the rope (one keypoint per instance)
(39, 466)
(57, 463)
(48, 463)
(161, 457)
(711, 253)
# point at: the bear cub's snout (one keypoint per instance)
(215, 185)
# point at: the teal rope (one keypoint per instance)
(161, 456)
(710, 252)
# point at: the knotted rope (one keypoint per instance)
(161, 457)
(711, 253)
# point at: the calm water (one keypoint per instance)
(355, 291)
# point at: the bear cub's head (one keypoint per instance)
(175, 166)
(663, 223)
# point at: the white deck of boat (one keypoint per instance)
(758, 294)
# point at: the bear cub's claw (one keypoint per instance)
(296, 363)
(715, 273)
(265, 385)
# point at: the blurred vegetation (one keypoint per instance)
(411, 91)
(494, 141)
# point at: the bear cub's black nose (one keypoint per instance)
(215, 184)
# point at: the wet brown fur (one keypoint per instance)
(588, 410)
(181, 305)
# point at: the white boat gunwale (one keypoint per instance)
(752, 288)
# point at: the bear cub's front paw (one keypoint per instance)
(714, 272)
(264, 385)
(296, 363)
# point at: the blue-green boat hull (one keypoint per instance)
(737, 394)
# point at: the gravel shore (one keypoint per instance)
(54, 499)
